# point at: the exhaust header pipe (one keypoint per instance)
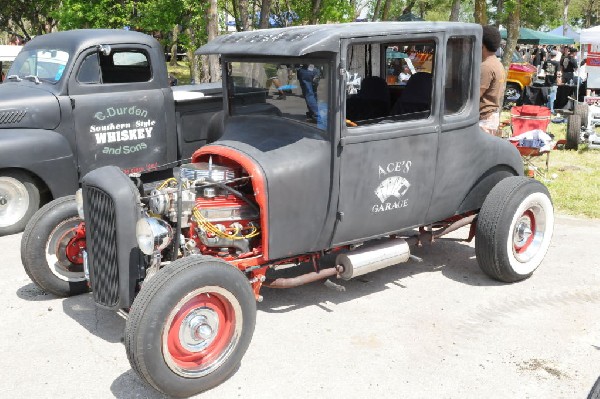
(369, 259)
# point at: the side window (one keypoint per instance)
(390, 81)
(89, 72)
(459, 68)
(125, 66)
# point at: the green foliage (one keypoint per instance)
(75, 14)
(27, 17)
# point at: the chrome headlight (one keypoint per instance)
(79, 202)
(153, 235)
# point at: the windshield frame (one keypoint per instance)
(324, 60)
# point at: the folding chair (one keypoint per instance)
(526, 118)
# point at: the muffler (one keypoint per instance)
(369, 259)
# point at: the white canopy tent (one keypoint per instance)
(8, 53)
(590, 35)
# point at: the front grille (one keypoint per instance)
(102, 246)
(11, 117)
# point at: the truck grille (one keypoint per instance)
(11, 117)
(102, 246)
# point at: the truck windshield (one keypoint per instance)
(294, 91)
(44, 65)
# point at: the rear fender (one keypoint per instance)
(477, 194)
(45, 154)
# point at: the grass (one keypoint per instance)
(573, 178)
(181, 71)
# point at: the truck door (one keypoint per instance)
(388, 158)
(119, 109)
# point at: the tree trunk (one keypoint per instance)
(565, 16)
(316, 10)
(409, 7)
(480, 14)
(173, 60)
(386, 10)
(376, 10)
(265, 9)
(512, 34)
(244, 21)
(455, 11)
(212, 27)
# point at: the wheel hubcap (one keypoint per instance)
(528, 233)
(14, 201)
(202, 331)
(199, 329)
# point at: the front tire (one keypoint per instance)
(514, 229)
(190, 325)
(51, 251)
(19, 200)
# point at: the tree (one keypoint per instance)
(480, 13)
(28, 17)
(455, 11)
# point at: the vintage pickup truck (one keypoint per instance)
(361, 177)
(74, 101)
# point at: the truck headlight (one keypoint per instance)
(79, 202)
(153, 235)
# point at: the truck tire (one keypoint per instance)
(514, 229)
(19, 200)
(51, 249)
(573, 132)
(190, 325)
(582, 110)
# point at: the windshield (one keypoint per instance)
(47, 65)
(287, 90)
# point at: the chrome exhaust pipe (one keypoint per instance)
(369, 259)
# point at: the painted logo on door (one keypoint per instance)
(392, 189)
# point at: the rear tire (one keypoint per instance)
(19, 200)
(582, 110)
(573, 132)
(514, 229)
(49, 251)
(190, 325)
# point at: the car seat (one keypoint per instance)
(416, 96)
(372, 100)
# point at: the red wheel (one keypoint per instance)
(201, 331)
(190, 325)
(52, 248)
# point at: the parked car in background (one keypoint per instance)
(520, 75)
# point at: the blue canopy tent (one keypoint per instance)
(570, 33)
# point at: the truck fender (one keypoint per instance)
(44, 153)
(479, 191)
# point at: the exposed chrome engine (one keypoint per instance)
(217, 208)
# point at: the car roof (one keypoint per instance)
(74, 41)
(303, 40)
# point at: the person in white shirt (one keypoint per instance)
(404, 75)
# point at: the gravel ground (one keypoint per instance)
(437, 329)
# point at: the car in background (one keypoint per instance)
(520, 75)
